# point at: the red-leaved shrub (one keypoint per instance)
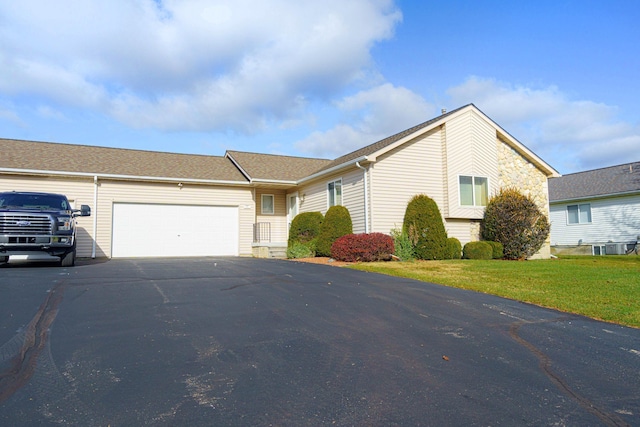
(362, 247)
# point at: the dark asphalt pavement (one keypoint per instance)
(249, 342)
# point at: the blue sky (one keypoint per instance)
(320, 78)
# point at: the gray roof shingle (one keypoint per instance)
(54, 157)
(613, 180)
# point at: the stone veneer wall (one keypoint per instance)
(516, 171)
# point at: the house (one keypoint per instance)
(596, 212)
(148, 204)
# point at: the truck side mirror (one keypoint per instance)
(85, 210)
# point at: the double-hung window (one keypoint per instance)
(334, 193)
(579, 214)
(474, 191)
(267, 204)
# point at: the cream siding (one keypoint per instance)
(78, 191)
(313, 196)
(278, 220)
(464, 230)
(470, 151)
(397, 176)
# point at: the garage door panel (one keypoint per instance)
(149, 230)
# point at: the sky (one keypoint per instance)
(321, 78)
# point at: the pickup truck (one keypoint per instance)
(38, 226)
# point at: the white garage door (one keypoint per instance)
(146, 230)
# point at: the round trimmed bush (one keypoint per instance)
(454, 248)
(514, 220)
(498, 249)
(305, 227)
(337, 223)
(363, 247)
(425, 228)
(477, 250)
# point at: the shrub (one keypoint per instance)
(454, 248)
(305, 227)
(337, 223)
(362, 247)
(498, 249)
(477, 250)
(300, 250)
(402, 245)
(514, 220)
(423, 224)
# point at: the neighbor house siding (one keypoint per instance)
(615, 219)
(79, 191)
(470, 151)
(397, 176)
(111, 192)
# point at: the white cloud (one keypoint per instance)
(569, 134)
(189, 65)
(373, 114)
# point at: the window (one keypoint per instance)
(334, 190)
(579, 214)
(474, 191)
(267, 204)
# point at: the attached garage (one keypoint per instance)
(158, 230)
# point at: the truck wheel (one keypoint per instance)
(69, 259)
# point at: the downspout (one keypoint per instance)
(366, 198)
(95, 216)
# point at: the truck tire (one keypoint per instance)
(4, 259)
(69, 259)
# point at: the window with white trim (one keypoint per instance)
(579, 214)
(334, 193)
(267, 204)
(474, 190)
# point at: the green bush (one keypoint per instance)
(300, 250)
(498, 249)
(477, 250)
(337, 223)
(454, 248)
(425, 228)
(514, 220)
(403, 246)
(305, 228)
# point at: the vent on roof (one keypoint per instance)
(444, 111)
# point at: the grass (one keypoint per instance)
(604, 288)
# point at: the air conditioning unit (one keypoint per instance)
(616, 248)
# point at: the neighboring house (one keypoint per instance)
(163, 204)
(596, 212)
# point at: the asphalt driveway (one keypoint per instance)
(238, 341)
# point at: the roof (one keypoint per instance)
(275, 167)
(83, 159)
(609, 181)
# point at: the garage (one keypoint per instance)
(156, 230)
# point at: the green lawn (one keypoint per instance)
(605, 288)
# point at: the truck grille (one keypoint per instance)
(24, 224)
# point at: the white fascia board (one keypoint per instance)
(272, 181)
(333, 169)
(123, 177)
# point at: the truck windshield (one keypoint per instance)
(33, 201)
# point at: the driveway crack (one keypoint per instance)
(23, 365)
(605, 417)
